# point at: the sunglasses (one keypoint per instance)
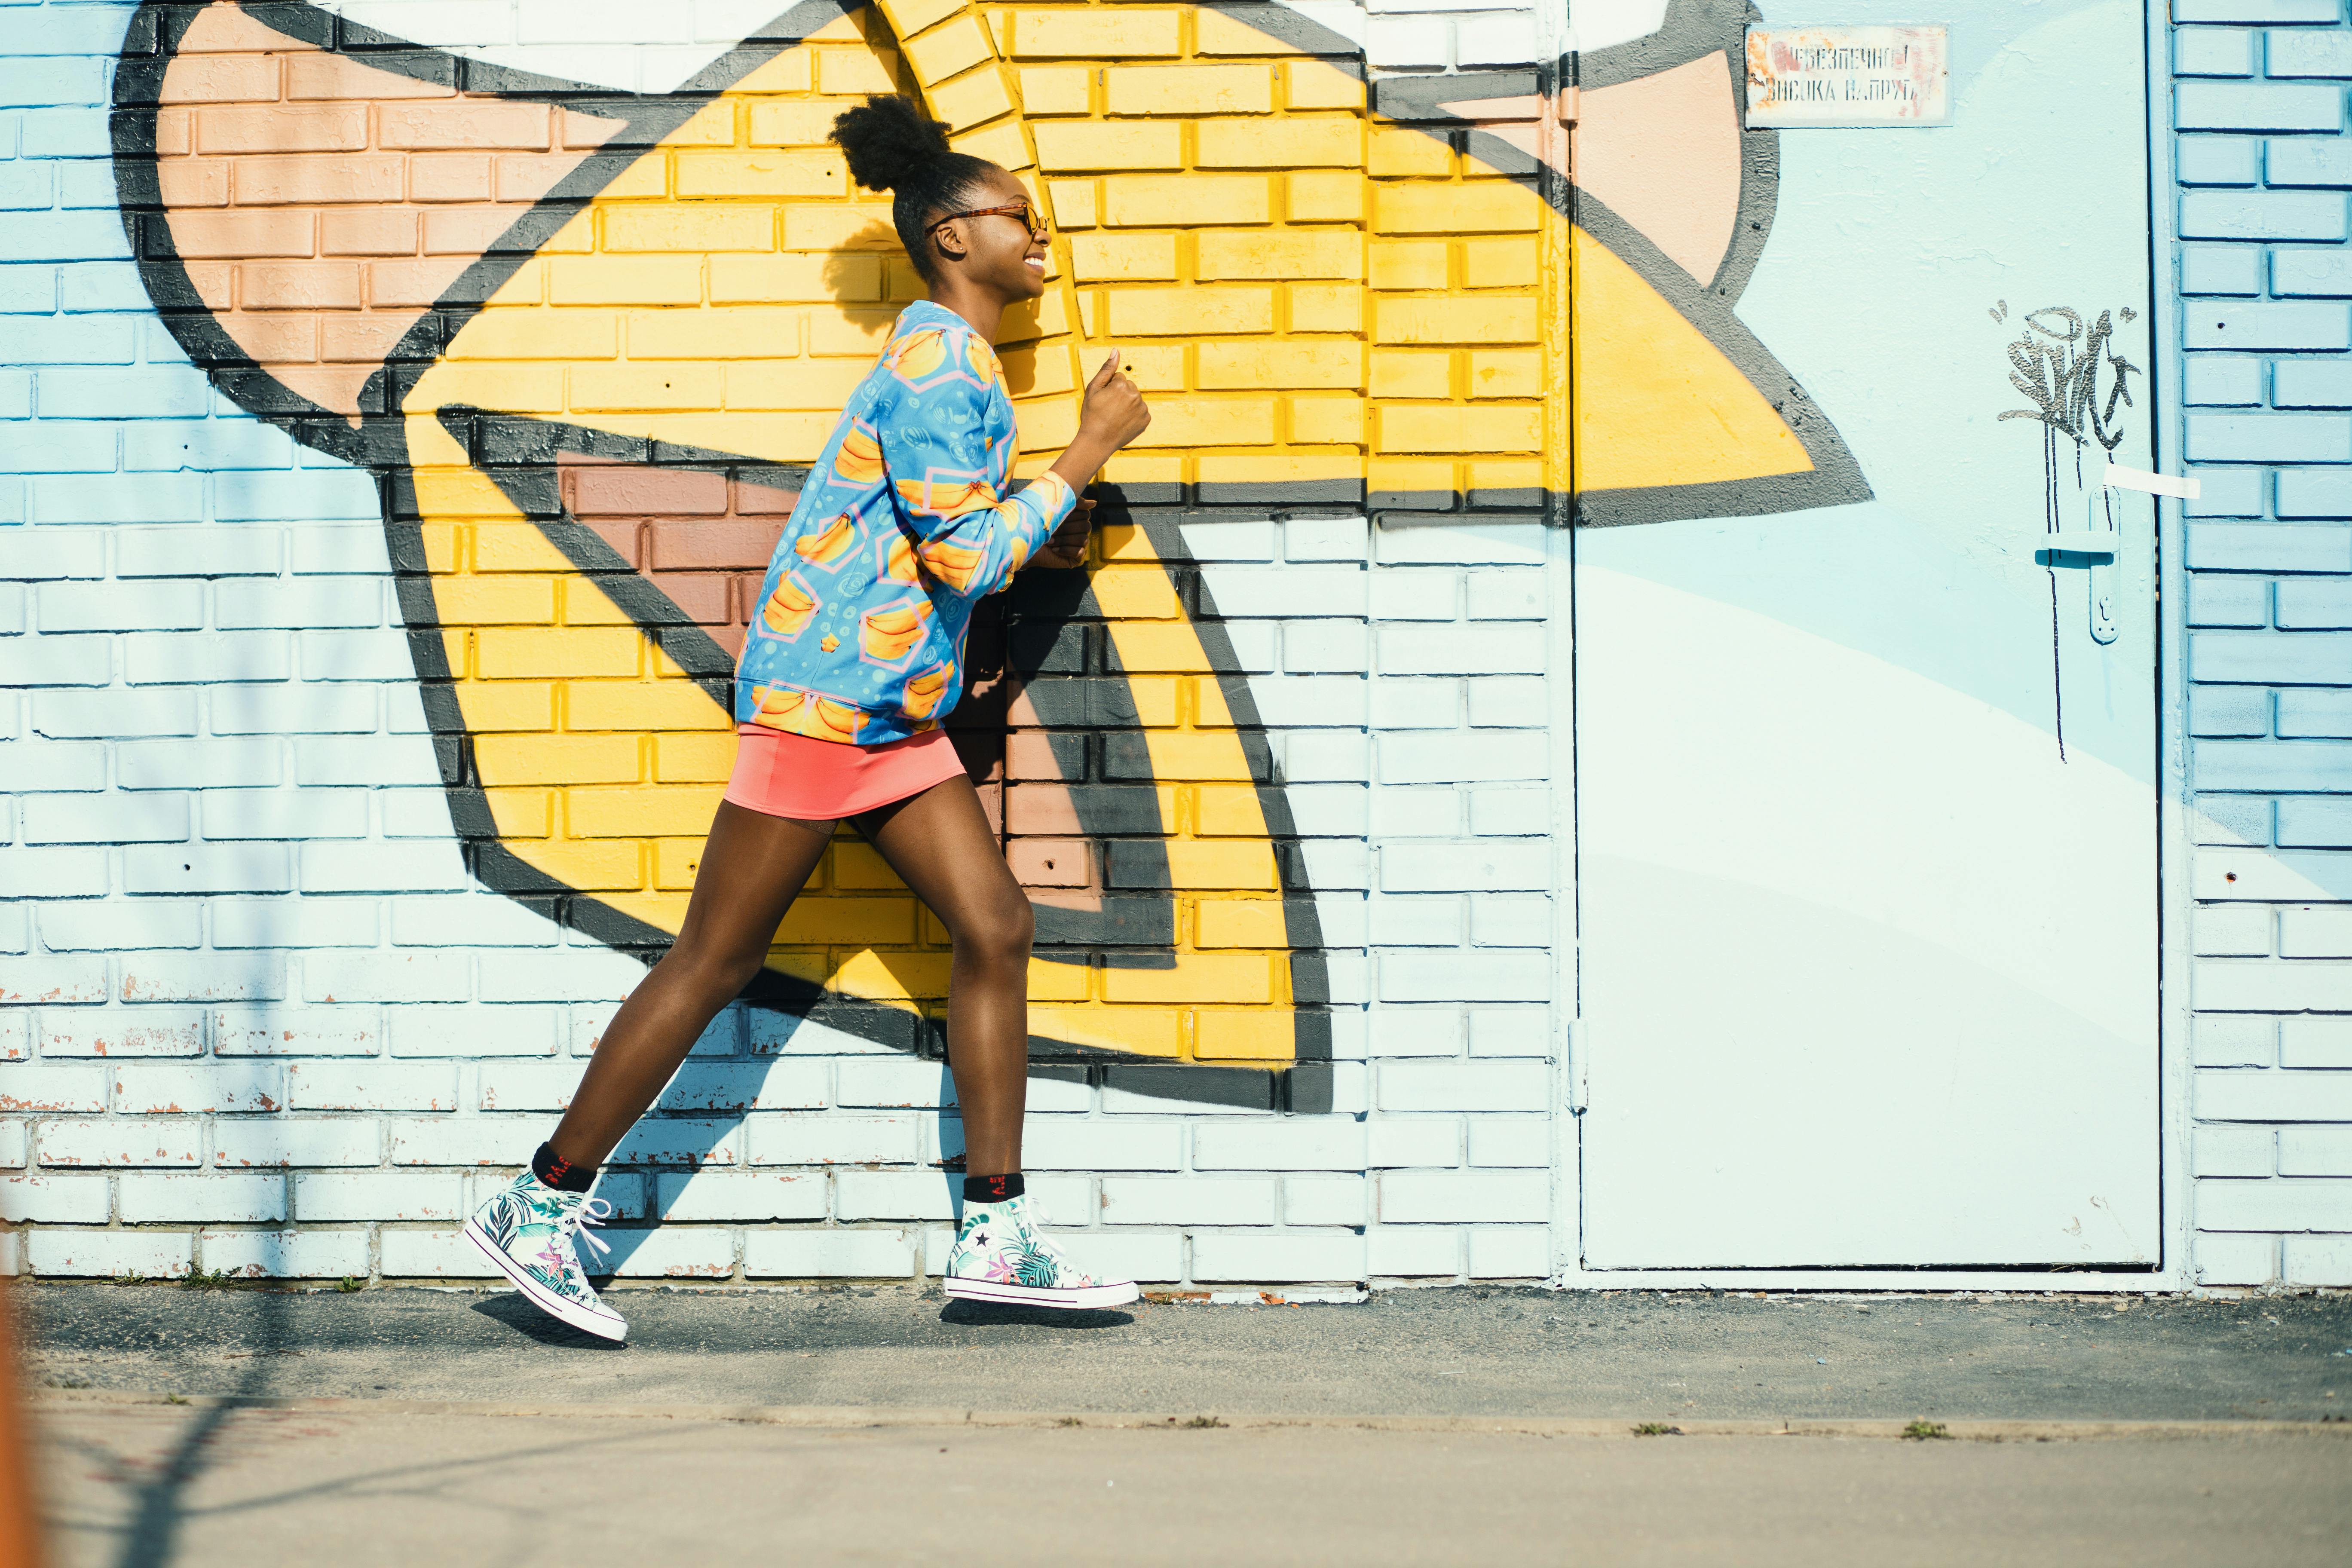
(1025, 210)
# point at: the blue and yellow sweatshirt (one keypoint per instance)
(902, 527)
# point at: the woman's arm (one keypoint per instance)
(968, 536)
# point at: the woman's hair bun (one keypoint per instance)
(890, 141)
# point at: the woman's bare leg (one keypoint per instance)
(752, 869)
(941, 844)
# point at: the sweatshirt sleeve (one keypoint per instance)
(968, 536)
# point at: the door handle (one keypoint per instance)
(2096, 549)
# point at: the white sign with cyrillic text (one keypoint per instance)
(1848, 76)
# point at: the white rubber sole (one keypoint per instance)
(1078, 1299)
(604, 1325)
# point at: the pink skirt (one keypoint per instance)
(823, 781)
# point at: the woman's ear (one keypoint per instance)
(948, 240)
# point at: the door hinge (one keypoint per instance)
(1577, 1045)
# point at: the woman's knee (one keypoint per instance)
(998, 936)
(708, 969)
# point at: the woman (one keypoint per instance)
(855, 656)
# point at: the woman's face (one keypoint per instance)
(998, 252)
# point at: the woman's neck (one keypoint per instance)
(984, 308)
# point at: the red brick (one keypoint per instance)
(1027, 756)
(244, 233)
(221, 78)
(622, 536)
(374, 178)
(684, 546)
(370, 231)
(283, 128)
(298, 286)
(1050, 862)
(630, 490)
(449, 177)
(466, 123)
(700, 596)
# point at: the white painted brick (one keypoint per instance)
(295, 709)
(1324, 539)
(12, 1258)
(154, 1089)
(832, 1140)
(2277, 1094)
(1064, 1143)
(2302, 1042)
(1188, 1200)
(2224, 1040)
(296, 1031)
(1158, 1091)
(746, 1086)
(52, 980)
(283, 603)
(1437, 1198)
(15, 1042)
(1482, 648)
(676, 1141)
(1253, 540)
(1510, 702)
(118, 606)
(104, 819)
(61, 873)
(1405, 541)
(2318, 1260)
(892, 1082)
(202, 976)
(1510, 1031)
(366, 760)
(720, 1037)
(108, 714)
(1415, 595)
(53, 1200)
(741, 1194)
(16, 1147)
(1277, 1257)
(111, 928)
(1509, 1252)
(2234, 1151)
(1473, 758)
(432, 1255)
(1306, 701)
(144, 1141)
(1405, 41)
(1332, 810)
(502, 1140)
(1287, 1144)
(1484, 41)
(2309, 1151)
(1407, 1141)
(50, 1087)
(122, 1032)
(284, 813)
(385, 867)
(1294, 593)
(1423, 922)
(2279, 1204)
(2223, 1260)
(285, 1254)
(1325, 756)
(1343, 918)
(110, 1254)
(295, 922)
(1504, 594)
(383, 1196)
(1324, 1200)
(1474, 865)
(379, 1086)
(1320, 647)
(829, 1253)
(1472, 977)
(1420, 813)
(56, 660)
(308, 1141)
(472, 920)
(224, 1199)
(1335, 864)
(528, 1086)
(503, 1030)
(171, 658)
(1465, 1086)
(895, 1194)
(38, 554)
(1511, 1141)
(673, 1252)
(1401, 702)
(1419, 1251)
(28, 766)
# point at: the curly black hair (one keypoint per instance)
(892, 146)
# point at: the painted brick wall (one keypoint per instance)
(2266, 279)
(256, 1015)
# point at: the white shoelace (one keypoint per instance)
(577, 1223)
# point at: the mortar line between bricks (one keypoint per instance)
(854, 1417)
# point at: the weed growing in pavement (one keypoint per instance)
(347, 1284)
(198, 1280)
(1656, 1430)
(175, 1399)
(1205, 1421)
(1921, 1431)
(1068, 1421)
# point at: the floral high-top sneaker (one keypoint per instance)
(1000, 1255)
(530, 1230)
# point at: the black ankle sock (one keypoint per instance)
(993, 1189)
(561, 1174)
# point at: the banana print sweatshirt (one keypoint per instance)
(902, 527)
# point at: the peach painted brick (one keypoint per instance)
(364, 339)
(192, 181)
(244, 233)
(524, 178)
(316, 75)
(170, 133)
(222, 79)
(465, 231)
(369, 231)
(293, 340)
(413, 283)
(283, 128)
(468, 122)
(449, 177)
(298, 286)
(374, 178)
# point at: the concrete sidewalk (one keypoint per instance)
(1520, 1353)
